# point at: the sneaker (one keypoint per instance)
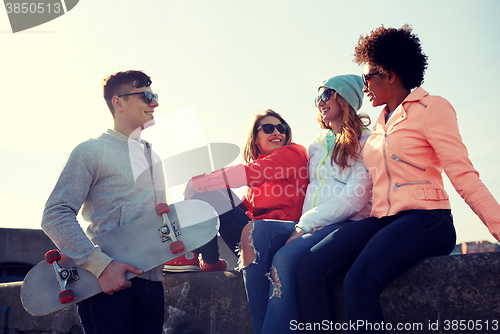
(219, 266)
(186, 263)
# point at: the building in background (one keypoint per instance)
(475, 247)
(478, 247)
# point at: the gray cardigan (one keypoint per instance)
(111, 178)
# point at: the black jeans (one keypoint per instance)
(138, 309)
(232, 218)
(373, 252)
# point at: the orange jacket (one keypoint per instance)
(407, 155)
(276, 182)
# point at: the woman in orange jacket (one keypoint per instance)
(276, 174)
(415, 138)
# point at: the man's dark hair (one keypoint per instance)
(122, 83)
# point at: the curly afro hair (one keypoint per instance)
(393, 49)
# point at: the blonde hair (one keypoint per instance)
(251, 151)
(347, 141)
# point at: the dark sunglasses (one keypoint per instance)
(269, 128)
(325, 96)
(148, 96)
(366, 77)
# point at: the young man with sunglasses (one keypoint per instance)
(100, 177)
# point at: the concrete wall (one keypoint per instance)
(21, 249)
(432, 297)
(23, 246)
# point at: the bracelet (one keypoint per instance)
(301, 227)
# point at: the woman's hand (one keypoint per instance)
(297, 233)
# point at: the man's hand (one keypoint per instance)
(297, 233)
(113, 277)
(189, 191)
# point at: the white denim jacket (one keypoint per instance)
(332, 195)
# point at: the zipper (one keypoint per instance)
(148, 152)
(319, 173)
(384, 144)
(406, 162)
(341, 182)
(409, 184)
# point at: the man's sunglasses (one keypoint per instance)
(148, 96)
(325, 96)
(269, 128)
(366, 77)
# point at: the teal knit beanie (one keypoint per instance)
(349, 86)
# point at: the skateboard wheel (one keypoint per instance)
(162, 208)
(177, 247)
(52, 255)
(66, 296)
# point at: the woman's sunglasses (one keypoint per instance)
(325, 96)
(148, 96)
(269, 128)
(367, 77)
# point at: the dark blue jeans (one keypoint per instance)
(373, 252)
(138, 309)
(274, 305)
(232, 219)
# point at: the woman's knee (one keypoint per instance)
(362, 282)
(248, 252)
(351, 285)
(305, 273)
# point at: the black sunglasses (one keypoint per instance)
(148, 96)
(269, 128)
(325, 96)
(366, 77)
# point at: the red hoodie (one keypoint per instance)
(277, 183)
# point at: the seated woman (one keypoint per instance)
(339, 192)
(415, 138)
(276, 175)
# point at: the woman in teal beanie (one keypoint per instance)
(338, 193)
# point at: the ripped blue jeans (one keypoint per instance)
(273, 302)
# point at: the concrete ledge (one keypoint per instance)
(464, 287)
(194, 303)
(440, 289)
(15, 320)
(23, 245)
(438, 293)
(206, 303)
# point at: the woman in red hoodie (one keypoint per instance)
(415, 138)
(276, 173)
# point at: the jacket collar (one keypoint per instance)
(400, 112)
(416, 95)
(122, 137)
(261, 156)
(117, 134)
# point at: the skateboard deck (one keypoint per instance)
(140, 243)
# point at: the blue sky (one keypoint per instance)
(229, 60)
